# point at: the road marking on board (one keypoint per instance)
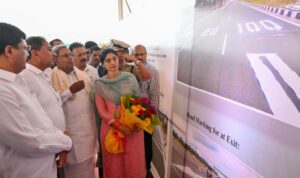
(252, 27)
(210, 31)
(240, 28)
(224, 44)
(280, 104)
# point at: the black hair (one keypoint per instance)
(105, 52)
(95, 48)
(89, 44)
(36, 42)
(75, 45)
(10, 35)
(52, 41)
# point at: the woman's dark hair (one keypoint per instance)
(10, 35)
(105, 52)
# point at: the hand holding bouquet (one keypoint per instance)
(136, 112)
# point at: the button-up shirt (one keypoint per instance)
(150, 88)
(38, 84)
(28, 138)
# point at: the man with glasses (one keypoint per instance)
(81, 59)
(78, 111)
(28, 139)
(149, 89)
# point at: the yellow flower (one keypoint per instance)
(136, 109)
(148, 120)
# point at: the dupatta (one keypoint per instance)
(113, 89)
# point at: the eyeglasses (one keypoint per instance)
(121, 51)
(28, 48)
(67, 55)
(25, 48)
(109, 60)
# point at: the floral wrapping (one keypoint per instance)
(134, 111)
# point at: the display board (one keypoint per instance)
(236, 107)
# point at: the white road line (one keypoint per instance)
(224, 44)
(240, 28)
(266, 26)
(252, 27)
(213, 31)
(288, 75)
(205, 32)
(275, 25)
(229, 18)
(280, 104)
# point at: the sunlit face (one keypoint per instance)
(65, 60)
(18, 57)
(120, 52)
(111, 62)
(140, 53)
(80, 57)
(95, 57)
(46, 55)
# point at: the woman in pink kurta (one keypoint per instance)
(131, 163)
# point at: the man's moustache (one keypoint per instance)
(83, 60)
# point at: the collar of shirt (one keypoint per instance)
(6, 75)
(87, 67)
(34, 69)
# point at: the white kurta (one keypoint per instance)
(28, 139)
(81, 125)
(38, 84)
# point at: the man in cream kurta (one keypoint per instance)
(28, 139)
(79, 115)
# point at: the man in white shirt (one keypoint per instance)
(36, 81)
(80, 57)
(78, 111)
(28, 138)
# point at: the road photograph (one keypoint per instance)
(245, 54)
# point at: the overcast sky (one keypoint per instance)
(65, 19)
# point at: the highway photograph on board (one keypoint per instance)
(247, 52)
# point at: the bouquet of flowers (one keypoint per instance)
(135, 111)
(138, 111)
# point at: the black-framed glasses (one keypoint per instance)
(25, 48)
(28, 48)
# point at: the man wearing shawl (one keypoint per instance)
(79, 115)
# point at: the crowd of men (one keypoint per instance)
(48, 128)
